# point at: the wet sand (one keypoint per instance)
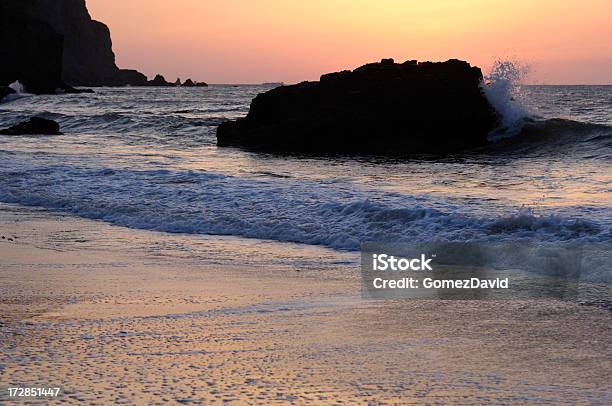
(114, 315)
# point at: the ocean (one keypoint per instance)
(146, 158)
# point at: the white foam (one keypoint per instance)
(199, 202)
(19, 92)
(17, 87)
(502, 89)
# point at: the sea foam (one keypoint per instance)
(301, 211)
(19, 92)
(502, 88)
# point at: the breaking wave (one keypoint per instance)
(146, 159)
(19, 92)
(556, 137)
(523, 131)
(502, 87)
(199, 202)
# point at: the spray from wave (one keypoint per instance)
(18, 89)
(502, 88)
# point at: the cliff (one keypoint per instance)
(37, 33)
(88, 58)
(383, 107)
(30, 49)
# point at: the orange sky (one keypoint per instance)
(252, 41)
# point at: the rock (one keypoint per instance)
(159, 80)
(36, 125)
(88, 59)
(191, 83)
(30, 49)
(130, 77)
(383, 107)
(177, 82)
(55, 44)
(51, 42)
(5, 91)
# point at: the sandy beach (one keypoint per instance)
(305, 203)
(117, 315)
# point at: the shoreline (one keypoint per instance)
(92, 307)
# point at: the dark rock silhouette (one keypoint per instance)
(30, 49)
(381, 107)
(51, 45)
(130, 77)
(48, 43)
(191, 83)
(177, 82)
(88, 58)
(159, 80)
(36, 125)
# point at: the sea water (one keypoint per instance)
(146, 158)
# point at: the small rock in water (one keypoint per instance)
(191, 83)
(36, 125)
(379, 108)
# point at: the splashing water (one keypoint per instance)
(502, 89)
(17, 87)
(146, 158)
(19, 92)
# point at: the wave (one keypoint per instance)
(556, 136)
(521, 132)
(127, 123)
(198, 202)
(17, 87)
(19, 92)
(502, 87)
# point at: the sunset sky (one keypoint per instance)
(252, 41)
